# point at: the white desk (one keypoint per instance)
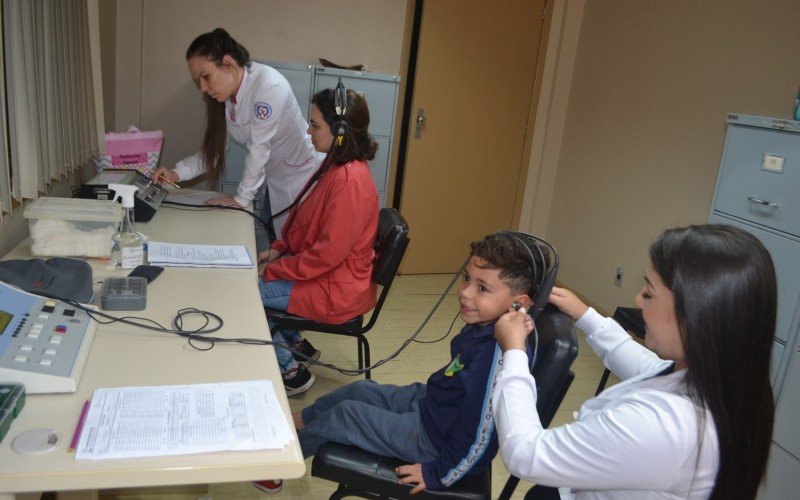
(125, 356)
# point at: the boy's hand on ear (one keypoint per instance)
(512, 329)
(567, 302)
(411, 474)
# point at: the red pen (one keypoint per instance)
(76, 436)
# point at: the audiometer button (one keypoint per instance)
(69, 312)
(48, 309)
(46, 362)
(21, 358)
(55, 340)
(26, 348)
(44, 316)
(62, 329)
(50, 351)
(33, 335)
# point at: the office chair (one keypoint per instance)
(364, 474)
(629, 318)
(390, 246)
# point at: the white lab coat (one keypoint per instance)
(636, 440)
(266, 119)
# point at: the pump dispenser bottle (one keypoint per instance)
(128, 249)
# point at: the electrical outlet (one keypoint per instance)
(618, 277)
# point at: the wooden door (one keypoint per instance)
(464, 174)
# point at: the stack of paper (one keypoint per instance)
(176, 420)
(179, 255)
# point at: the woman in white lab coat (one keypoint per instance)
(254, 105)
(693, 419)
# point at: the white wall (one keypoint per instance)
(644, 124)
(153, 86)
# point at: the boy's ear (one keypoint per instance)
(524, 301)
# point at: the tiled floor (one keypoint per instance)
(409, 302)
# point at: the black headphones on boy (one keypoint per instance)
(542, 281)
(340, 105)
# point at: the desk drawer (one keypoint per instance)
(754, 185)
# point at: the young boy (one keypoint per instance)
(443, 428)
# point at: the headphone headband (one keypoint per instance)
(340, 106)
(540, 290)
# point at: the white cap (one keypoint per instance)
(124, 191)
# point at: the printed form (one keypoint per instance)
(154, 421)
(184, 255)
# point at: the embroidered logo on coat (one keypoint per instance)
(263, 110)
(454, 367)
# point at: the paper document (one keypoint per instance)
(155, 421)
(181, 255)
(191, 197)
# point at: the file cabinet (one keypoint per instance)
(758, 189)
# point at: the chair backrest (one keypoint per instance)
(390, 245)
(558, 348)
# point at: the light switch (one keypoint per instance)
(773, 163)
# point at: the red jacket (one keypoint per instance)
(327, 247)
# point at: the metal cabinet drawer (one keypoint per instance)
(784, 256)
(759, 177)
(379, 166)
(783, 476)
(777, 356)
(785, 433)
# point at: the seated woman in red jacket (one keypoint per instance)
(321, 266)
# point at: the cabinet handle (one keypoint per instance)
(756, 201)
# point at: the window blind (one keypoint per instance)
(53, 90)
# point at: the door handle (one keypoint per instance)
(420, 122)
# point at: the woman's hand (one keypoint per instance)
(162, 174)
(567, 302)
(411, 474)
(266, 257)
(512, 329)
(227, 201)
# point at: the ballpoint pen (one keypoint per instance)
(163, 177)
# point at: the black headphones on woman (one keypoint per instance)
(340, 105)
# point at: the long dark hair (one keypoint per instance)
(724, 285)
(215, 45)
(357, 143)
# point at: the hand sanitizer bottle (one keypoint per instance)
(128, 244)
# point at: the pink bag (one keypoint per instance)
(131, 150)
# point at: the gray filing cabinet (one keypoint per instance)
(758, 189)
(380, 91)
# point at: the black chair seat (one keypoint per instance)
(299, 323)
(630, 318)
(365, 474)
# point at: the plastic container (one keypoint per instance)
(72, 227)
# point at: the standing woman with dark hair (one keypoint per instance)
(692, 419)
(321, 266)
(254, 104)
